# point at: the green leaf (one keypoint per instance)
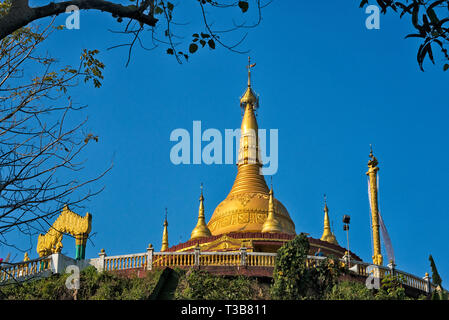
(433, 17)
(158, 10)
(169, 51)
(211, 44)
(445, 67)
(243, 5)
(415, 15)
(414, 35)
(193, 47)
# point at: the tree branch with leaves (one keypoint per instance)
(40, 142)
(429, 18)
(153, 20)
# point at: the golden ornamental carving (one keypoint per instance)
(68, 222)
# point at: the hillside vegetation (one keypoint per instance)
(292, 280)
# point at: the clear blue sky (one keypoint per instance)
(330, 86)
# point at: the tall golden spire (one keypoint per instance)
(372, 173)
(245, 209)
(271, 224)
(201, 230)
(328, 235)
(165, 234)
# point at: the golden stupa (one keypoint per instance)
(246, 207)
(250, 217)
(328, 235)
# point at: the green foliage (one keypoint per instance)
(349, 290)
(201, 285)
(293, 279)
(392, 288)
(93, 67)
(93, 286)
(429, 18)
(436, 279)
(440, 295)
(4, 7)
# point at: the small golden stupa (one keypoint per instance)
(328, 235)
(201, 230)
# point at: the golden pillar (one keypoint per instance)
(372, 174)
(165, 234)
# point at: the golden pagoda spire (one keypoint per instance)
(372, 173)
(201, 230)
(271, 224)
(245, 209)
(165, 234)
(328, 235)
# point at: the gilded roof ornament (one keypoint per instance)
(372, 163)
(165, 234)
(372, 174)
(271, 224)
(201, 230)
(328, 235)
(249, 97)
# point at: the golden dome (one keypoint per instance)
(249, 97)
(246, 207)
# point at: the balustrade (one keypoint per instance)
(197, 258)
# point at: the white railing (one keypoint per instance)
(22, 270)
(56, 263)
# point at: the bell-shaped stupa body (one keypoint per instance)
(245, 209)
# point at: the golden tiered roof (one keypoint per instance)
(246, 207)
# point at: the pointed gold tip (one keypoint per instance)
(249, 96)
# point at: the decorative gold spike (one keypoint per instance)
(201, 230)
(271, 224)
(245, 209)
(165, 234)
(328, 235)
(249, 98)
(372, 174)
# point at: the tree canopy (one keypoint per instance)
(159, 20)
